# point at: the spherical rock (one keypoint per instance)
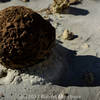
(25, 37)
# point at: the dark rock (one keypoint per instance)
(25, 37)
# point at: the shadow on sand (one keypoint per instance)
(76, 3)
(5, 0)
(76, 11)
(73, 75)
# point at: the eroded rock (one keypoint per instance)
(68, 35)
(25, 37)
(59, 5)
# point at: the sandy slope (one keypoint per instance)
(84, 21)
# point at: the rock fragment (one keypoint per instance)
(17, 80)
(67, 35)
(59, 5)
(85, 46)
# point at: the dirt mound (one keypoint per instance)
(25, 37)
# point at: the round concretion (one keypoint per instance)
(25, 37)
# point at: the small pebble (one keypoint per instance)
(62, 96)
(85, 46)
(60, 16)
(46, 17)
(56, 25)
(67, 35)
(17, 80)
(37, 81)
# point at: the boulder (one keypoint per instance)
(25, 37)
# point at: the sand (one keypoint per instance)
(83, 20)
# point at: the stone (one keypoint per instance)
(62, 96)
(17, 80)
(85, 46)
(25, 37)
(67, 35)
(36, 81)
(59, 5)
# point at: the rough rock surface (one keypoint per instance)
(25, 37)
(59, 5)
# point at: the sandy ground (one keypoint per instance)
(79, 81)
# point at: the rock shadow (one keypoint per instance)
(61, 52)
(76, 11)
(79, 66)
(76, 3)
(4, 1)
(73, 73)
